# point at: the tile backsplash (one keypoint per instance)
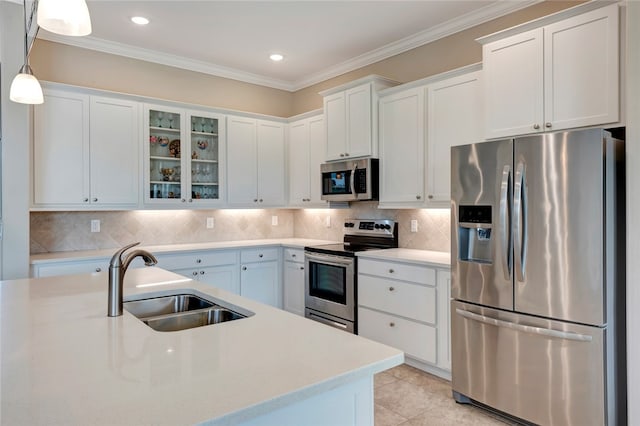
(68, 231)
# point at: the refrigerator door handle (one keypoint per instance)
(567, 335)
(520, 215)
(505, 221)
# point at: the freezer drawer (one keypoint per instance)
(546, 372)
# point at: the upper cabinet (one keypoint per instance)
(418, 127)
(85, 152)
(557, 76)
(351, 112)
(184, 158)
(307, 147)
(256, 162)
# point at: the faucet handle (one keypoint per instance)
(116, 260)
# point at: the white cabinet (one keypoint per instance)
(406, 305)
(558, 76)
(260, 275)
(184, 156)
(294, 286)
(418, 127)
(402, 147)
(85, 152)
(307, 145)
(351, 113)
(218, 268)
(256, 162)
(455, 117)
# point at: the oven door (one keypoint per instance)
(330, 284)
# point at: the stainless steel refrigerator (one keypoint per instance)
(538, 235)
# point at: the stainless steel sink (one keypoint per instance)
(176, 310)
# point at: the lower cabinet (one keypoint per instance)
(214, 267)
(260, 275)
(406, 305)
(293, 281)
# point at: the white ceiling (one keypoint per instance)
(319, 39)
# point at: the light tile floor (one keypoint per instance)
(410, 397)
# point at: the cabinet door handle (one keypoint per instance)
(255, 200)
(391, 271)
(418, 197)
(346, 154)
(536, 126)
(98, 269)
(86, 200)
(201, 272)
(260, 200)
(94, 200)
(194, 273)
(302, 268)
(190, 200)
(547, 125)
(244, 268)
(293, 255)
(392, 324)
(391, 288)
(341, 155)
(430, 197)
(183, 200)
(260, 255)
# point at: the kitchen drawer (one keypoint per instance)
(69, 268)
(197, 259)
(259, 255)
(294, 255)
(399, 298)
(398, 271)
(415, 339)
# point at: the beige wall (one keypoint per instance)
(449, 53)
(83, 67)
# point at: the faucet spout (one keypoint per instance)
(117, 268)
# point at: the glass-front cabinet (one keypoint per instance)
(184, 154)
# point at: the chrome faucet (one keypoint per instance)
(117, 268)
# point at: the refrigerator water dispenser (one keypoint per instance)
(474, 234)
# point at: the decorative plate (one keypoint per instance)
(174, 148)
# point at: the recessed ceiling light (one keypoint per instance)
(276, 57)
(140, 20)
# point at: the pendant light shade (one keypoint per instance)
(66, 17)
(25, 88)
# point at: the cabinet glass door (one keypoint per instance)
(165, 169)
(204, 156)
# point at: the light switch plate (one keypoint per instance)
(414, 225)
(327, 222)
(95, 225)
(210, 223)
(274, 220)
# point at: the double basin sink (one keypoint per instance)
(181, 309)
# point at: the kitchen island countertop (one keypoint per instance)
(65, 362)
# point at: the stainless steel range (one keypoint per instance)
(331, 271)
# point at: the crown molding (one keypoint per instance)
(154, 56)
(467, 21)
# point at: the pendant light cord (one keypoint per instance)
(26, 49)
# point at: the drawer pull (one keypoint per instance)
(302, 268)
(198, 260)
(392, 324)
(201, 272)
(391, 288)
(244, 268)
(391, 271)
(98, 269)
(195, 273)
(260, 255)
(293, 255)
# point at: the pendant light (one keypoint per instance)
(65, 17)
(25, 88)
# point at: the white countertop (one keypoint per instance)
(423, 257)
(65, 362)
(67, 256)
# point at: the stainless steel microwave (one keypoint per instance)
(352, 180)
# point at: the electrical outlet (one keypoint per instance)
(274, 220)
(414, 225)
(95, 225)
(210, 223)
(327, 222)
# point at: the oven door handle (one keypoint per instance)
(328, 259)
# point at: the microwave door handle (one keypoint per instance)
(353, 182)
